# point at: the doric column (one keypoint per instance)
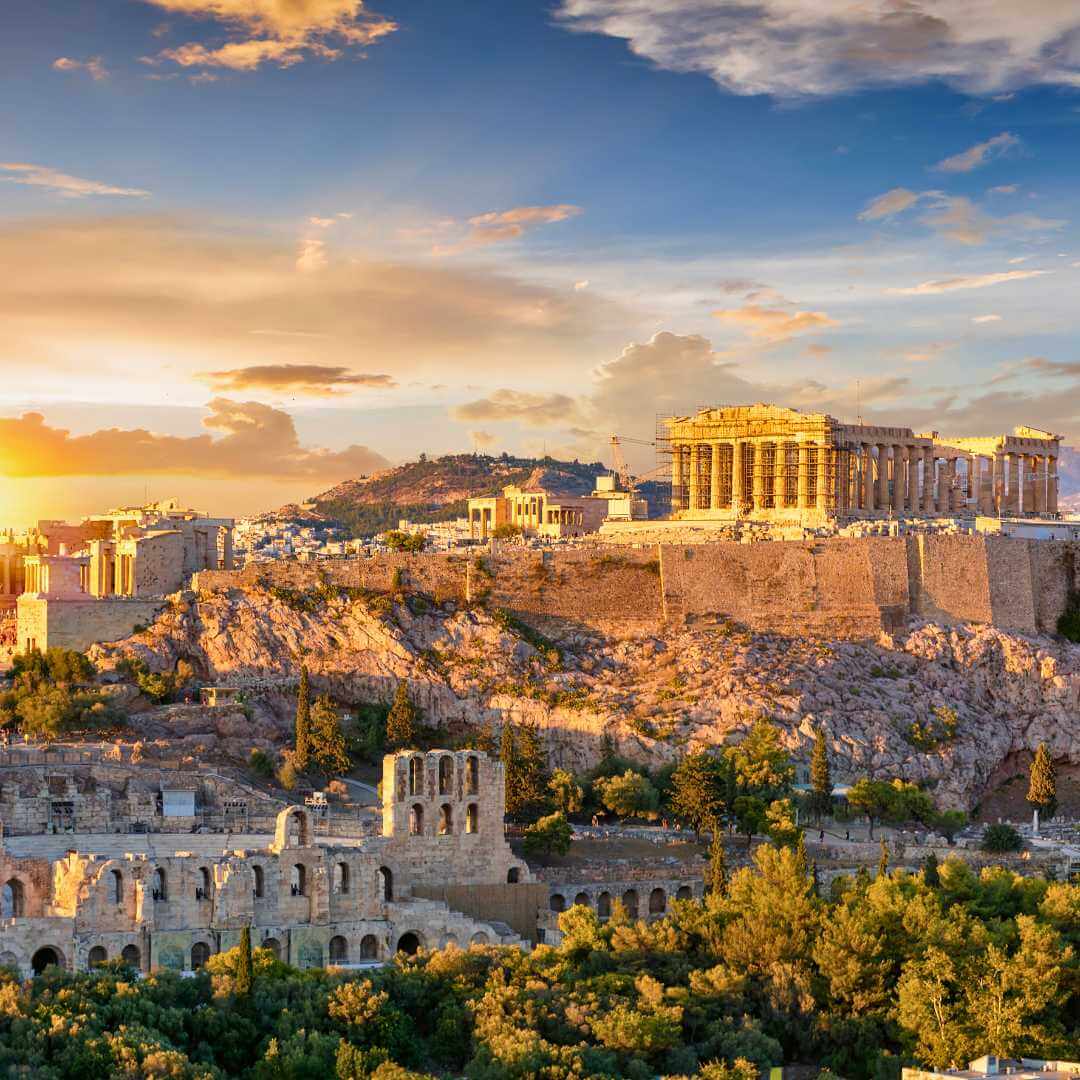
(882, 499)
(1029, 464)
(912, 501)
(1015, 473)
(986, 485)
(972, 490)
(997, 482)
(952, 491)
(943, 491)
(714, 478)
(736, 476)
(779, 484)
(803, 490)
(898, 471)
(867, 454)
(822, 476)
(695, 459)
(1052, 485)
(928, 480)
(757, 489)
(676, 476)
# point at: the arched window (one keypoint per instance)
(603, 905)
(472, 818)
(13, 900)
(131, 956)
(558, 902)
(472, 775)
(343, 877)
(416, 776)
(274, 946)
(97, 956)
(630, 902)
(161, 885)
(339, 950)
(298, 880)
(200, 953)
(409, 943)
(582, 899)
(446, 820)
(45, 957)
(416, 820)
(513, 876)
(657, 902)
(369, 947)
(386, 883)
(479, 938)
(117, 887)
(202, 887)
(446, 775)
(260, 882)
(684, 893)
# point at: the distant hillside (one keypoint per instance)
(438, 489)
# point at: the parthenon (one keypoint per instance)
(775, 463)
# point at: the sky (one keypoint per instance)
(251, 248)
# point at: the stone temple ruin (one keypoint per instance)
(441, 872)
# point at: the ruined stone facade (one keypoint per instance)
(772, 463)
(537, 512)
(313, 901)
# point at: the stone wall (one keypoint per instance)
(78, 624)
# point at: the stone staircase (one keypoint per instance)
(439, 923)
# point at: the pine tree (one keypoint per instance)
(329, 747)
(484, 739)
(525, 771)
(1042, 788)
(244, 972)
(883, 862)
(716, 880)
(821, 785)
(302, 732)
(401, 721)
(930, 873)
(698, 790)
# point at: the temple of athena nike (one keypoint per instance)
(773, 464)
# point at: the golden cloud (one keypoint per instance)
(257, 441)
(975, 281)
(774, 325)
(70, 187)
(496, 227)
(534, 410)
(94, 66)
(315, 379)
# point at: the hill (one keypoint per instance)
(438, 489)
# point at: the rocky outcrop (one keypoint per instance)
(943, 706)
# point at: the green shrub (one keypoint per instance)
(260, 763)
(1001, 837)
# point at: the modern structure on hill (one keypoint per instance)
(989, 1065)
(776, 464)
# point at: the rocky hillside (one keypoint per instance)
(943, 706)
(435, 489)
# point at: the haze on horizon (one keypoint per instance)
(253, 248)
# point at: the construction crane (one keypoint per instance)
(620, 469)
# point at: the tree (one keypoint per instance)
(401, 721)
(716, 874)
(244, 973)
(1042, 785)
(549, 834)
(883, 860)
(1000, 838)
(330, 749)
(698, 790)
(302, 730)
(949, 823)
(873, 797)
(566, 791)
(525, 769)
(628, 795)
(762, 765)
(751, 813)
(930, 873)
(412, 543)
(821, 786)
(484, 739)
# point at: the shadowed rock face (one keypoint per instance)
(656, 693)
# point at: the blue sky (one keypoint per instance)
(371, 231)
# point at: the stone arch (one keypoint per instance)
(131, 956)
(9, 959)
(446, 820)
(298, 879)
(472, 775)
(273, 945)
(116, 886)
(341, 880)
(513, 875)
(46, 956)
(410, 942)
(603, 905)
(259, 886)
(582, 898)
(96, 956)
(657, 901)
(630, 902)
(161, 884)
(204, 883)
(472, 818)
(386, 883)
(13, 899)
(369, 947)
(282, 838)
(557, 902)
(446, 775)
(416, 820)
(684, 893)
(416, 775)
(479, 938)
(339, 950)
(200, 953)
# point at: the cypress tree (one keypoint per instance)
(245, 974)
(717, 872)
(883, 862)
(302, 730)
(401, 721)
(330, 749)
(930, 873)
(1042, 786)
(820, 777)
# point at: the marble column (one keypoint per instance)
(822, 476)
(694, 485)
(882, 497)
(737, 476)
(676, 475)
(758, 488)
(913, 457)
(997, 482)
(1052, 485)
(1040, 484)
(898, 472)
(1015, 473)
(779, 483)
(7, 574)
(1029, 465)
(714, 478)
(928, 480)
(802, 500)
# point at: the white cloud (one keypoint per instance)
(321, 222)
(70, 187)
(985, 318)
(894, 201)
(979, 154)
(797, 48)
(580, 285)
(499, 226)
(312, 256)
(954, 284)
(774, 325)
(1005, 189)
(94, 66)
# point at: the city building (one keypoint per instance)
(989, 1065)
